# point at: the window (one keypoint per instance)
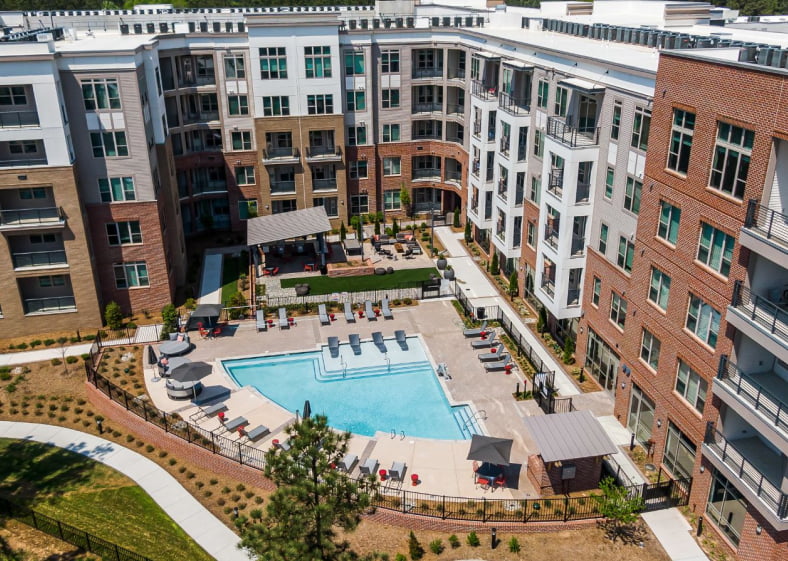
(389, 62)
(522, 144)
(615, 127)
(276, 105)
(244, 175)
(285, 205)
(109, 144)
(626, 251)
(681, 140)
(640, 128)
(356, 100)
(539, 143)
(124, 233)
(242, 140)
(354, 63)
(390, 133)
(475, 67)
(633, 194)
(531, 235)
(23, 147)
(234, 67)
(669, 218)
(357, 136)
(715, 249)
(101, 94)
(726, 507)
(389, 99)
(391, 199)
(43, 238)
(13, 95)
(247, 208)
(536, 188)
(542, 93)
(273, 63)
(51, 280)
(131, 275)
(209, 103)
(318, 62)
(330, 204)
(649, 349)
(679, 453)
(659, 289)
(359, 204)
(641, 415)
(238, 104)
(391, 166)
(359, 170)
(609, 179)
(731, 159)
(596, 291)
(320, 104)
(27, 193)
(691, 386)
(618, 310)
(561, 98)
(116, 189)
(603, 232)
(703, 320)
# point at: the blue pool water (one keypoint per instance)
(363, 393)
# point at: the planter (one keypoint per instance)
(441, 264)
(448, 274)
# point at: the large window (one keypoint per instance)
(318, 62)
(618, 310)
(241, 140)
(596, 291)
(273, 63)
(392, 166)
(626, 252)
(669, 218)
(389, 99)
(542, 93)
(603, 233)
(320, 104)
(101, 94)
(731, 159)
(359, 170)
(633, 195)
(234, 67)
(330, 204)
(691, 386)
(13, 95)
(640, 128)
(244, 175)
(391, 199)
(238, 104)
(535, 190)
(131, 275)
(561, 100)
(703, 320)
(247, 208)
(110, 144)
(284, 205)
(659, 289)
(641, 415)
(357, 135)
(715, 249)
(726, 507)
(391, 133)
(116, 189)
(389, 62)
(681, 140)
(359, 204)
(679, 453)
(539, 143)
(601, 361)
(356, 100)
(354, 63)
(276, 105)
(124, 233)
(615, 127)
(649, 349)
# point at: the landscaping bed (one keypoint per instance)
(328, 285)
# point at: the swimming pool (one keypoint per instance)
(375, 391)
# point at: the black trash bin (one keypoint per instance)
(480, 313)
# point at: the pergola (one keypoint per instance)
(265, 230)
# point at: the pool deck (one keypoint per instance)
(441, 465)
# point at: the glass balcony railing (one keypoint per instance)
(454, 176)
(573, 297)
(428, 72)
(282, 187)
(50, 305)
(329, 184)
(551, 237)
(33, 259)
(427, 173)
(324, 152)
(429, 107)
(19, 119)
(32, 217)
(273, 155)
(455, 109)
(548, 285)
(578, 245)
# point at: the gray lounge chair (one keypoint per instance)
(283, 324)
(349, 315)
(369, 311)
(208, 411)
(377, 338)
(346, 464)
(401, 338)
(397, 471)
(493, 355)
(369, 467)
(284, 445)
(475, 331)
(323, 315)
(333, 346)
(484, 343)
(355, 343)
(257, 432)
(235, 424)
(385, 309)
(259, 316)
(498, 364)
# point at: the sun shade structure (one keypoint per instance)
(287, 225)
(567, 436)
(490, 449)
(207, 314)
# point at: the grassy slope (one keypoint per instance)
(328, 285)
(93, 497)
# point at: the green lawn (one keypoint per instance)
(329, 285)
(231, 268)
(92, 497)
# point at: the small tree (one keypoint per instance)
(569, 350)
(238, 305)
(169, 317)
(468, 234)
(113, 315)
(514, 287)
(377, 226)
(342, 231)
(404, 200)
(541, 321)
(620, 509)
(414, 547)
(494, 263)
(456, 222)
(394, 227)
(355, 223)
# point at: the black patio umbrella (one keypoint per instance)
(307, 409)
(490, 449)
(207, 314)
(191, 371)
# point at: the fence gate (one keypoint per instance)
(431, 289)
(665, 494)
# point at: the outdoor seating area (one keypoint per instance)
(178, 344)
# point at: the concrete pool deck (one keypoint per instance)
(441, 465)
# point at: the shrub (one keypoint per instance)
(113, 316)
(21, 346)
(569, 349)
(473, 540)
(407, 301)
(514, 545)
(129, 438)
(169, 316)
(400, 557)
(225, 489)
(49, 342)
(436, 546)
(213, 481)
(494, 263)
(220, 501)
(190, 304)
(5, 376)
(71, 359)
(258, 500)
(62, 340)
(235, 497)
(208, 493)
(240, 487)
(35, 343)
(162, 453)
(173, 461)
(256, 513)
(414, 547)
(149, 448)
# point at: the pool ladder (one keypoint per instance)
(344, 366)
(388, 362)
(480, 414)
(394, 434)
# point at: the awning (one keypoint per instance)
(567, 436)
(582, 85)
(287, 225)
(519, 65)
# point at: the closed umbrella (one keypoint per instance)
(490, 449)
(152, 359)
(307, 409)
(191, 371)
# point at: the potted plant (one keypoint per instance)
(448, 274)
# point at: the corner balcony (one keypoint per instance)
(760, 319)
(323, 154)
(569, 135)
(765, 232)
(517, 106)
(281, 156)
(487, 92)
(32, 219)
(35, 260)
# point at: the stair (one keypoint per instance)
(369, 371)
(463, 416)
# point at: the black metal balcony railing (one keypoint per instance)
(427, 107)
(748, 473)
(772, 224)
(428, 72)
(565, 133)
(583, 192)
(754, 394)
(760, 310)
(323, 152)
(31, 216)
(40, 259)
(324, 184)
(427, 173)
(484, 91)
(513, 105)
(19, 119)
(555, 182)
(50, 305)
(274, 154)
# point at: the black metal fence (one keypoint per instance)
(415, 290)
(70, 534)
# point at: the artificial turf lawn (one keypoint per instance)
(329, 285)
(231, 269)
(93, 497)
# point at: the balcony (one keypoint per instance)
(477, 129)
(569, 135)
(201, 117)
(18, 119)
(551, 237)
(323, 154)
(456, 73)
(548, 286)
(276, 156)
(32, 219)
(583, 192)
(427, 136)
(756, 315)
(513, 105)
(573, 297)
(455, 109)
(487, 92)
(454, 176)
(732, 458)
(431, 107)
(39, 259)
(765, 231)
(209, 187)
(578, 245)
(283, 187)
(23, 162)
(432, 174)
(329, 184)
(555, 183)
(57, 304)
(428, 72)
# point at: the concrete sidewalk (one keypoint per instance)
(673, 531)
(203, 527)
(211, 281)
(26, 357)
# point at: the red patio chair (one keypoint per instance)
(217, 331)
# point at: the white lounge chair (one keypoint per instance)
(349, 316)
(262, 325)
(283, 324)
(257, 432)
(494, 354)
(475, 331)
(385, 309)
(235, 424)
(397, 471)
(323, 315)
(486, 343)
(369, 467)
(346, 464)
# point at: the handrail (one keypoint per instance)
(756, 395)
(513, 105)
(565, 133)
(24, 216)
(772, 223)
(760, 310)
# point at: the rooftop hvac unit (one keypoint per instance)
(764, 56)
(435, 22)
(124, 28)
(151, 28)
(137, 28)
(410, 22)
(163, 27)
(704, 43)
(780, 58)
(446, 21)
(364, 24)
(376, 23)
(217, 27)
(400, 23)
(684, 42)
(204, 27)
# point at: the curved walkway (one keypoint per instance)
(202, 526)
